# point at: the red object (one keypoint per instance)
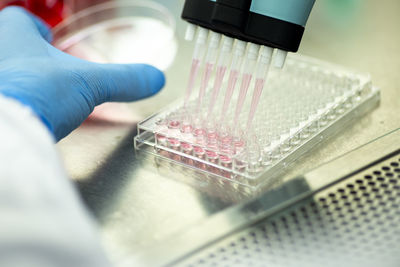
(51, 11)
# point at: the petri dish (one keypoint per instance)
(120, 32)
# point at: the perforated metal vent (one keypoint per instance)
(353, 223)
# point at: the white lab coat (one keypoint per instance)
(42, 220)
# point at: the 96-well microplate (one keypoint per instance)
(306, 102)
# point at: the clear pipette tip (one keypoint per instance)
(211, 57)
(238, 52)
(222, 65)
(247, 75)
(198, 54)
(264, 63)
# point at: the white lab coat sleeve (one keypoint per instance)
(42, 220)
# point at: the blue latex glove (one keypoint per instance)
(61, 89)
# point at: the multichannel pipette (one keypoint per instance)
(300, 105)
(275, 24)
(244, 26)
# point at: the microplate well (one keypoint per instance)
(303, 104)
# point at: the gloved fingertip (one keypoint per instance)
(11, 9)
(156, 78)
(124, 82)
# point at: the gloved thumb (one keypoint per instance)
(122, 83)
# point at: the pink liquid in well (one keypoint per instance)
(192, 78)
(239, 146)
(219, 77)
(200, 137)
(174, 124)
(212, 157)
(211, 154)
(213, 146)
(161, 139)
(199, 132)
(187, 148)
(242, 94)
(204, 84)
(225, 159)
(256, 99)
(226, 140)
(212, 136)
(174, 143)
(186, 128)
(199, 151)
(233, 77)
(226, 150)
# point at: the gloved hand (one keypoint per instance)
(61, 89)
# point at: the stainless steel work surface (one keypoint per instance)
(339, 214)
(138, 204)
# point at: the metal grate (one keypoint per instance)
(353, 223)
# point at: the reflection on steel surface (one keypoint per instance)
(354, 223)
(344, 212)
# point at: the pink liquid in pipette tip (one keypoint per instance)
(219, 77)
(242, 95)
(233, 76)
(256, 99)
(204, 83)
(192, 78)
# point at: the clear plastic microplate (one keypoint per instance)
(306, 102)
